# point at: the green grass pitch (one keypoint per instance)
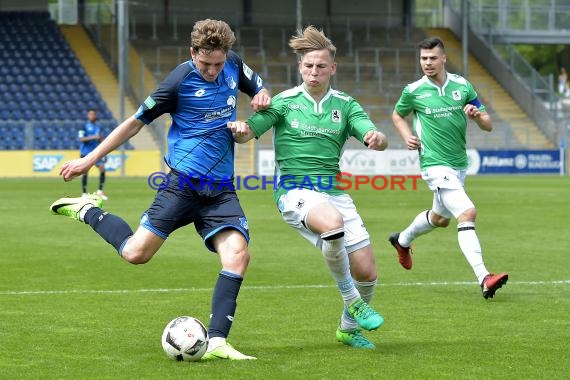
(70, 308)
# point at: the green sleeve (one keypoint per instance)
(262, 121)
(404, 105)
(472, 94)
(359, 121)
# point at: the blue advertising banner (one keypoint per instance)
(519, 161)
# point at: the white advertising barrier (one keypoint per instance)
(369, 162)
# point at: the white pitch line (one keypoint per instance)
(268, 287)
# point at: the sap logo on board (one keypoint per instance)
(114, 162)
(46, 162)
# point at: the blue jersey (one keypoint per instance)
(89, 129)
(199, 141)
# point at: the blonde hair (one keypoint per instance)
(311, 39)
(210, 35)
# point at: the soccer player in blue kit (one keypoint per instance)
(200, 95)
(89, 137)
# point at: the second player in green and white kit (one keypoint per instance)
(441, 104)
(311, 124)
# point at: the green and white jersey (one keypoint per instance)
(309, 137)
(439, 120)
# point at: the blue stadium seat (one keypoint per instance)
(41, 79)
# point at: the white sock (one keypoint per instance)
(336, 259)
(420, 225)
(215, 342)
(469, 244)
(366, 290)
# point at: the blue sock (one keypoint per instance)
(101, 180)
(110, 227)
(224, 303)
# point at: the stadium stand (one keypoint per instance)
(44, 91)
(374, 64)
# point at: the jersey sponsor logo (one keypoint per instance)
(456, 95)
(200, 93)
(231, 101)
(315, 131)
(223, 113)
(295, 123)
(336, 116)
(423, 96)
(442, 111)
(247, 71)
(296, 106)
(231, 82)
(46, 162)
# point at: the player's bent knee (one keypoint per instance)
(442, 222)
(468, 215)
(136, 255)
(438, 220)
(235, 261)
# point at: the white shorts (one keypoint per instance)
(449, 196)
(296, 204)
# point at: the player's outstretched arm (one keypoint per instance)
(122, 133)
(241, 131)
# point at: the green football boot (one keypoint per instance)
(365, 316)
(226, 351)
(71, 207)
(353, 338)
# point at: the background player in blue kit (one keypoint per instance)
(200, 95)
(89, 138)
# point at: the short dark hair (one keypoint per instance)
(430, 43)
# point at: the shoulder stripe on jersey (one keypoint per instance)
(414, 85)
(291, 92)
(337, 94)
(457, 78)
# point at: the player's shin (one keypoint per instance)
(110, 227)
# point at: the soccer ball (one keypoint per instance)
(185, 339)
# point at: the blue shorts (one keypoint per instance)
(211, 207)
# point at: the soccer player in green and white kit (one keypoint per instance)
(311, 125)
(441, 104)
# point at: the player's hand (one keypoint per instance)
(74, 168)
(261, 100)
(375, 140)
(413, 142)
(239, 128)
(471, 111)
